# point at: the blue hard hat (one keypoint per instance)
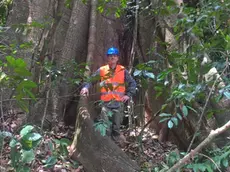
(113, 51)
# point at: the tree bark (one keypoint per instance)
(95, 152)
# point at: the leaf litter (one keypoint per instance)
(52, 156)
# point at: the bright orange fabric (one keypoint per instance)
(112, 83)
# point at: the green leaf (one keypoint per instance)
(179, 116)
(101, 127)
(33, 137)
(13, 143)
(164, 106)
(137, 72)
(164, 119)
(185, 111)
(31, 95)
(6, 134)
(110, 114)
(100, 9)
(189, 107)
(20, 63)
(118, 13)
(10, 60)
(51, 146)
(225, 162)
(27, 129)
(170, 3)
(31, 140)
(175, 120)
(28, 156)
(64, 141)
(24, 169)
(26, 144)
(50, 162)
(57, 141)
(170, 124)
(15, 157)
(26, 84)
(165, 115)
(149, 75)
(227, 94)
(63, 150)
(22, 72)
(2, 76)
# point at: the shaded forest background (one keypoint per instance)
(176, 50)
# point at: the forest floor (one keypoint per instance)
(51, 155)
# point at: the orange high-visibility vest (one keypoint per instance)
(112, 83)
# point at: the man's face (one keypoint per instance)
(113, 59)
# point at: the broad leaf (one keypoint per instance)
(225, 162)
(185, 111)
(64, 141)
(28, 156)
(227, 94)
(170, 124)
(50, 162)
(137, 72)
(22, 72)
(27, 129)
(14, 156)
(149, 75)
(175, 120)
(10, 60)
(164, 119)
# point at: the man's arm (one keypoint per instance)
(86, 85)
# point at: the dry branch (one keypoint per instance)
(210, 137)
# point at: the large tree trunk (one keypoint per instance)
(95, 152)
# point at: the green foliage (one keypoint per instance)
(68, 3)
(57, 149)
(144, 72)
(218, 158)
(102, 126)
(15, 75)
(4, 10)
(117, 10)
(22, 148)
(182, 79)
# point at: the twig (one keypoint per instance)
(152, 118)
(211, 161)
(205, 106)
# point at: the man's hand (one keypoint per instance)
(125, 98)
(84, 92)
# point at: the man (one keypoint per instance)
(117, 87)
